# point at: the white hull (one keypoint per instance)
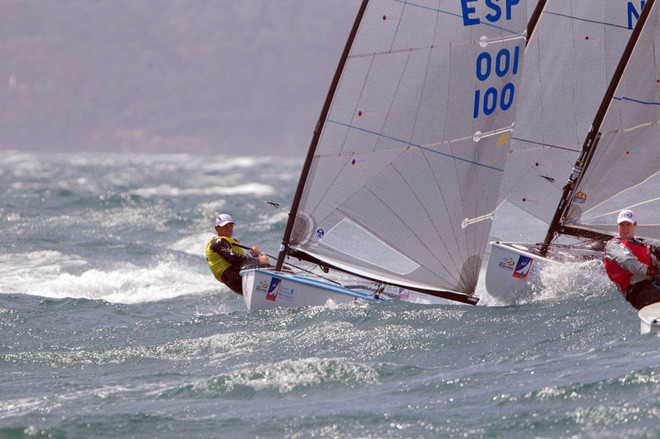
(513, 271)
(263, 289)
(649, 319)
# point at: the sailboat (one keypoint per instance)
(397, 193)
(618, 165)
(649, 319)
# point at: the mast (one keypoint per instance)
(591, 141)
(284, 247)
(534, 18)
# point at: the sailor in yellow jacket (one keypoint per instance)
(226, 259)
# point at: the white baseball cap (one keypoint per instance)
(626, 216)
(223, 219)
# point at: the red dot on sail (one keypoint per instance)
(359, 114)
(353, 162)
(384, 17)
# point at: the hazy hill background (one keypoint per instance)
(203, 76)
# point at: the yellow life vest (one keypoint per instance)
(217, 263)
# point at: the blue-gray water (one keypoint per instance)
(112, 326)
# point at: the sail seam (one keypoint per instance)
(421, 240)
(592, 217)
(414, 145)
(445, 247)
(637, 101)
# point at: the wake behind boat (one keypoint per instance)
(403, 171)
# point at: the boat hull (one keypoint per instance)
(649, 319)
(513, 271)
(263, 289)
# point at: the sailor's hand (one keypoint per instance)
(655, 251)
(255, 251)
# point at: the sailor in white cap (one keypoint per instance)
(631, 265)
(226, 257)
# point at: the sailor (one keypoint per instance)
(226, 258)
(631, 265)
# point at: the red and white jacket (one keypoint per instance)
(627, 262)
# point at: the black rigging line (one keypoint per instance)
(545, 144)
(585, 19)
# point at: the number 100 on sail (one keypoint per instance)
(492, 98)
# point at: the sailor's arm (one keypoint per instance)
(618, 252)
(223, 248)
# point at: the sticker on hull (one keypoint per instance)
(507, 263)
(522, 267)
(273, 289)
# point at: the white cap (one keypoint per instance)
(626, 216)
(223, 219)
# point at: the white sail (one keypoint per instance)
(406, 174)
(626, 160)
(569, 63)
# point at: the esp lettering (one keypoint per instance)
(495, 11)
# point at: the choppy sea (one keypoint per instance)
(111, 325)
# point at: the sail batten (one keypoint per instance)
(423, 147)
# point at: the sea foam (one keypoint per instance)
(51, 274)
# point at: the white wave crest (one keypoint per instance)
(45, 274)
(166, 190)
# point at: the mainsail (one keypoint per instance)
(569, 62)
(626, 152)
(403, 172)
